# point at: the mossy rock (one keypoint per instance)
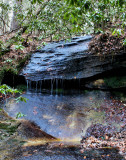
(8, 127)
(115, 82)
(21, 87)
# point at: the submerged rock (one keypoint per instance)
(31, 130)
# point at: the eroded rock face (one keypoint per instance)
(70, 60)
(58, 60)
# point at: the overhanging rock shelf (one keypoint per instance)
(58, 60)
(69, 60)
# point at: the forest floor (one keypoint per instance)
(99, 136)
(107, 136)
(104, 44)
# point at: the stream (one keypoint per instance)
(62, 116)
(65, 116)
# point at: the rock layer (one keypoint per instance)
(70, 60)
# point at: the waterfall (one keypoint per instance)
(56, 86)
(27, 84)
(30, 86)
(36, 86)
(40, 86)
(52, 86)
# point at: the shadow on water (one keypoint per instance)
(65, 116)
(62, 116)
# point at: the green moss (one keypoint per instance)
(1, 75)
(86, 91)
(95, 117)
(21, 88)
(14, 69)
(115, 82)
(120, 95)
(59, 90)
(8, 127)
(22, 62)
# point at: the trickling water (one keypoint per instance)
(56, 86)
(27, 84)
(51, 86)
(40, 86)
(36, 86)
(62, 84)
(30, 84)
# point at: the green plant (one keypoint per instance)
(22, 99)
(62, 19)
(20, 46)
(44, 43)
(20, 115)
(117, 32)
(39, 47)
(69, 40)
(8, 60)
(124, 42)
(21, 88)
(1, 45)
(4, 89)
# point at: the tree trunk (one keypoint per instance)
(14, 23)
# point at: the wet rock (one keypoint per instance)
(70, 60)
(112, 82)
(61, 60)
(31, 130)
(97, 84)
(4, 116)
